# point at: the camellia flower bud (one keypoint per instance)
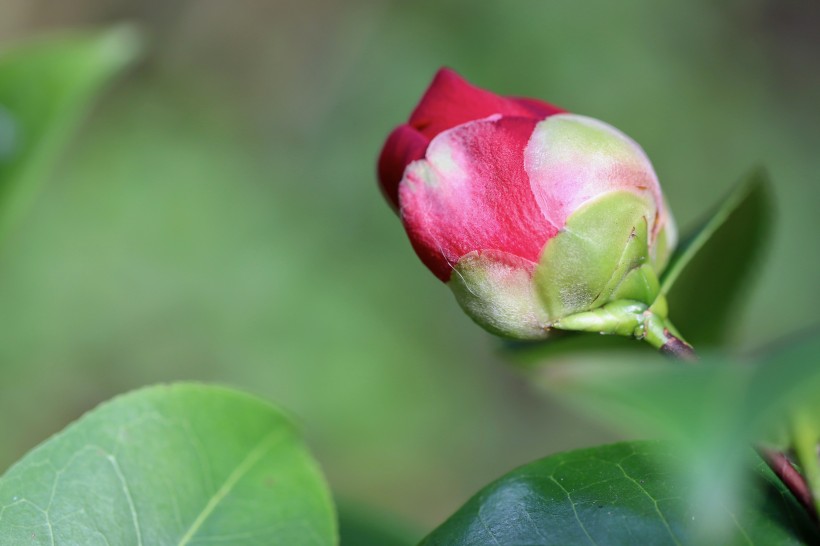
(533, 216)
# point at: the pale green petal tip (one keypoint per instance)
(583, 134)
(497, 291)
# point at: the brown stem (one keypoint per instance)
(776, 460)
(791, 478)
(677, 348)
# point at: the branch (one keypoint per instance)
(677, 348)
(791, 478)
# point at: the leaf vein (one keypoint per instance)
(233, 478)
(654, 502)
(574, 511)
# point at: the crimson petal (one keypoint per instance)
(404, 145)
(473, 193)
(451, 100)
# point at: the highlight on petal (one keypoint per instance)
(496, 290)
(471, 192)
(572, 159)
(451, 100)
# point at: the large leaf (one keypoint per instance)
(622, 494)
(707, 273)
(181, 464)
(712, 411)
(45, 87)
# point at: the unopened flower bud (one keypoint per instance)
(530, 214)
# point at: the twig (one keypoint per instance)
(677, 348)
(791, 478)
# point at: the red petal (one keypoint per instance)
(451, 100)
(472, 193)
(403, 146)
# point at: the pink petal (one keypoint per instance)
(472, 193)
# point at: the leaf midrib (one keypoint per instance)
(233, 478)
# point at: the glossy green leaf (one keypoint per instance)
(181, 464)
(739, 402)
(45, 87)
(622, 494)
(707, 273)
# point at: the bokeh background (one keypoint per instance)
(217, 217)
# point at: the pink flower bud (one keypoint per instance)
(529, 213)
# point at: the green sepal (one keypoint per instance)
(495, 289)
(664, 244)
(600, 244)
(627, 318)
(639, 284)
(621, 318)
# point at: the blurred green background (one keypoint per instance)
(217, 217)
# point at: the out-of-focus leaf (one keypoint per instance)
(788, 385)
(567, 345)
(180, 464)
(712, 410)
(647, 393)
(360, 526)
(788, 376)
(626, 493)
(706, 274)
(45, 87)
(644, 392)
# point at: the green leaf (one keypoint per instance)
(787, 385)
(180, 464)
(626, 494)
(739, 402)
(707, 273)
(45, 87)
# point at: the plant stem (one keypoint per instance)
(677, 348)
(791, 478)
(777, 461)
(659, 333)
